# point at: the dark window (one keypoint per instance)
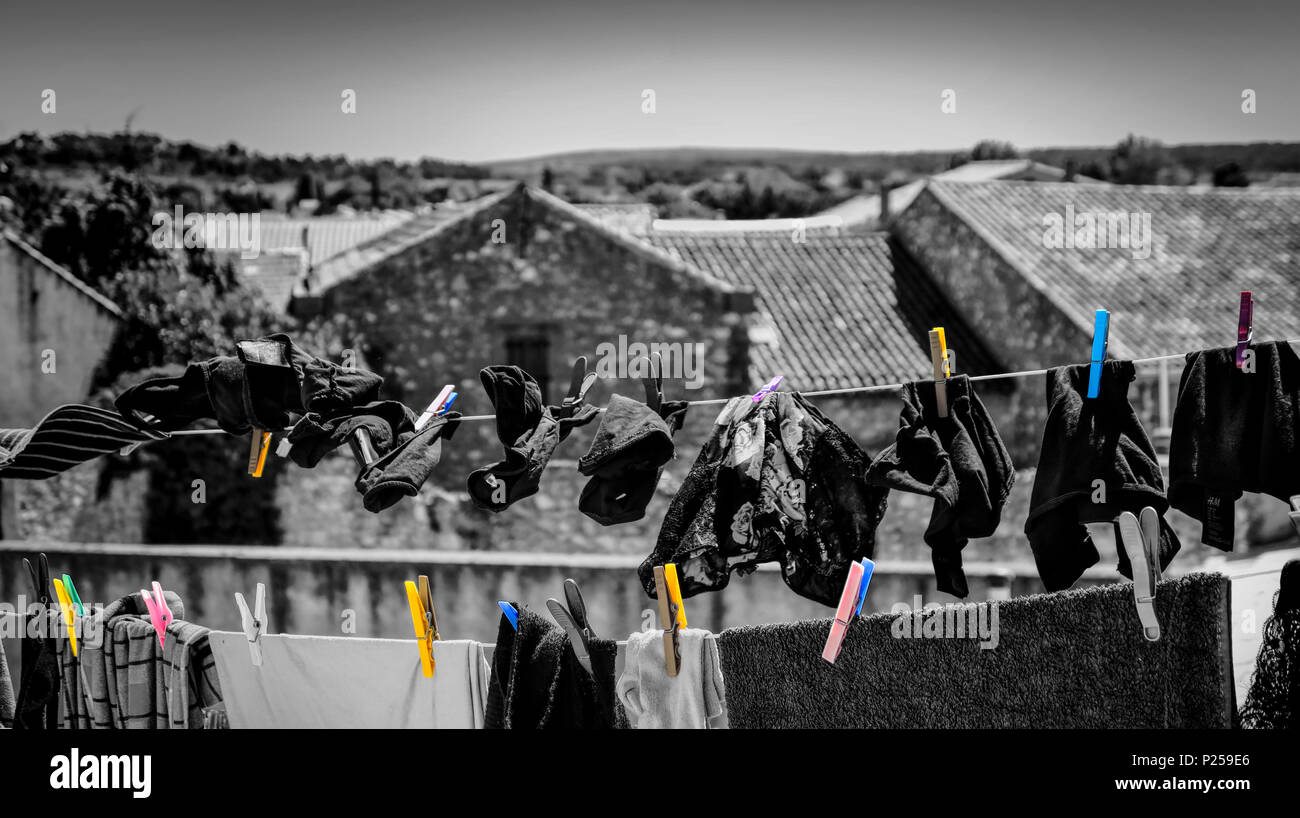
(531, 352)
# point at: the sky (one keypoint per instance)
(477, 81)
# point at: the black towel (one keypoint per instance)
(1087, 439)
(1273, 700)
(537, 682)
(781, 483)
(262, 386)
(959, 460)
(528, 431)
(627, 458)
(1073, 659)
(1234, 432)
(402, 471)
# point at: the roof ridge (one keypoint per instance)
(1226, 192)
(636, 244)
(1008, 255)
(87, 290)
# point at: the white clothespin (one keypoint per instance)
(1141, 542)
(254, 623)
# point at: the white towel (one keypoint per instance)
(350, 682)
(693, 699)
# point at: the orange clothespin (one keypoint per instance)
(672, 614)
(65, 603)
(424, 620)
(260, 445)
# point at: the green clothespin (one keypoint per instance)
(72, 592)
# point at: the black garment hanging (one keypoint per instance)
(793, 492)
(386, 423)
(402, 471)
(528, 430)
(1086, 440)
(38, 695)
(627, 457)
(262, 386)
(1233, 432)
(1273, 700)
(959, 460)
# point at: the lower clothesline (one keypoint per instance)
(848, 390)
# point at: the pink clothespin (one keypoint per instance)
(159, 613)
(848, 608)
(1245, 326)
(768, 388)
(439, 406)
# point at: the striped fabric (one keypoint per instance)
(66, 437)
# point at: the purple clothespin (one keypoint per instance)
(768, 388)
(1245, 326)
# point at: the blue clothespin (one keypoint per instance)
(447, 405)
(1100, 340)
(768, 388)
(439, 406)
(868, 567)
(511, 614)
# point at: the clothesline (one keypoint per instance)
(848, 390)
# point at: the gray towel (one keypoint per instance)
(1073, 659)
(694, 699)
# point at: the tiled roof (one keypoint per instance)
(90, 293)
(820, 224)
(845, 310)
(633, 217)
(1206, 246)
(276, 273)
(328, 236)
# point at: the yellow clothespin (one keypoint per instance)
(424, 620)
(65, 603)
(261, 444)
(672, 614)
(942, 369)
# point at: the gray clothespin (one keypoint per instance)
(574, 621)
(253, 622)
(1141, 542)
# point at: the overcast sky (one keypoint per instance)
(515, 78)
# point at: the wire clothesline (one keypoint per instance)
(848, 390)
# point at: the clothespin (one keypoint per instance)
(258, 447)
(654, 383)
(159, 613)
(768, 388)
(65, 604)
(579, 382)
(942, 369)
(672, 614)
(574, 621)
(1245, 326)
(73, 595)
(40, 578)
(511, 614)
(424, 620)
(363, 451)
(1141, 542)
(254, 623)
(1100, 341)
(850, 602)
(439, 406)
(868, 568)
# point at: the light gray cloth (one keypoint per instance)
(350, 683)
(694, 699)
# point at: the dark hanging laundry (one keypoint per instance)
(402, 471)
(1273, 700)
(537, 682)
(387, 423)
(1234, 432)
(627, 458)
(529, 432)
(959, 460)
(266, 382)
(66, 437)
(1069, 660)
(37, 707)
(776, 482)
(1085, 440)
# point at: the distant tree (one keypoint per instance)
(548, 179)
(1230, 174)
(984, 150)
(1137, 160)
